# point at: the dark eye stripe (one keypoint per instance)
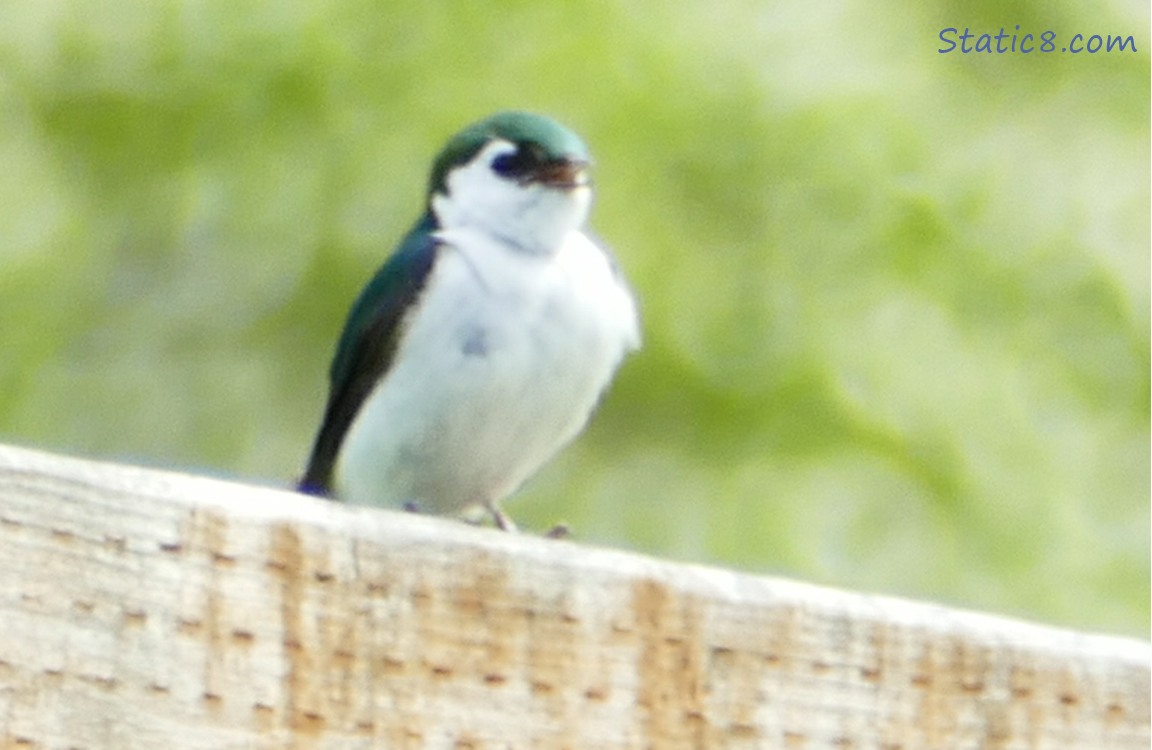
(524, 160)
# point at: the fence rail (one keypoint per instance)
(148, 609)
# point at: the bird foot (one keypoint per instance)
(503, 521)
(559, 531)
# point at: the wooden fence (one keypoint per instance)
(148, 609)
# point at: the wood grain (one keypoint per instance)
(148, 609)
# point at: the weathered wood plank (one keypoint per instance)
(147, 609)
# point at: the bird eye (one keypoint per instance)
(518, 163)
(506, 164)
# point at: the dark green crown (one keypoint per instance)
(557, 141)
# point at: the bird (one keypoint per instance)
(484, 343)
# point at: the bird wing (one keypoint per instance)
(367, 346)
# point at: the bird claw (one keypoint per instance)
(503, 521)
(559, 531)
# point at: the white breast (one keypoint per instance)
(500, 368)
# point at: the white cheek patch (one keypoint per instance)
(530, 216)
(474, 190)
(477, 176)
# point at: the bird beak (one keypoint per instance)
(563, 174)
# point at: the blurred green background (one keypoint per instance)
(896, 302)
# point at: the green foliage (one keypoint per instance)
(896, 302)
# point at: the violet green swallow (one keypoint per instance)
(483, 344)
